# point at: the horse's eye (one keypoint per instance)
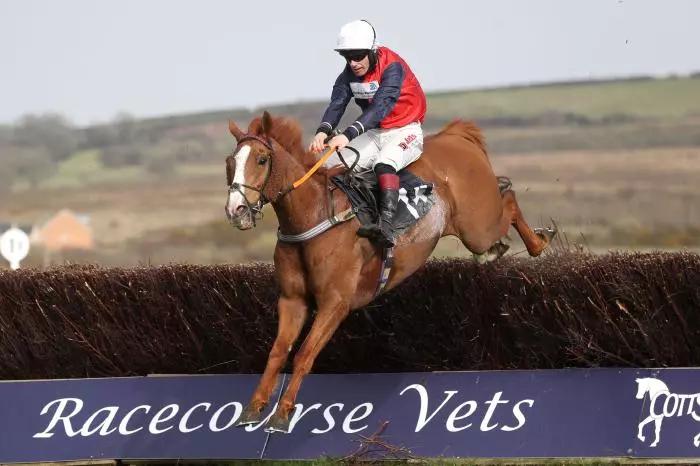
(262, 160)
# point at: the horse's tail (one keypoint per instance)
(467, 130)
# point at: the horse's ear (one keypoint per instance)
(266, 123)
(235, 130)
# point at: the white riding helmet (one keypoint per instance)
(357, 35)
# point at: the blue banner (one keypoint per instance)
(547, 413)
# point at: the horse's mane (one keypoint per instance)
(288, 133)
(465, 129)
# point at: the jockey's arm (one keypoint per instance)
(340, 97)
(382, 103)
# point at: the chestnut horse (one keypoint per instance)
(337, 271)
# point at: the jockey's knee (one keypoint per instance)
(382, 168)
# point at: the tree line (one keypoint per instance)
(32, 149)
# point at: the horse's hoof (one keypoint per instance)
(504, 184)
(547, 234)
(250, 415)
(277, 423)
(494, 252)
(498, 250)
(481, 259)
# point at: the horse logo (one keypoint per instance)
(663, 404)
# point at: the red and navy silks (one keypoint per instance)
(389, 95)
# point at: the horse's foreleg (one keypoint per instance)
(292, 315)
(327, 320)
(535, 241)
(640, 429)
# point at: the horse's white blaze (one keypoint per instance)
(235, 199)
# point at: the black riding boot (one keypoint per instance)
(381, 232)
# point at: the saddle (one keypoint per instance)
(416, 197)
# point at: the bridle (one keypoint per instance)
(256, 209)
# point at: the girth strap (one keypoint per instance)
(322, 227)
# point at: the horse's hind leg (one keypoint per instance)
(499, 248)
(535, 240)
(657, 431)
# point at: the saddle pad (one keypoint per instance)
(416, 197)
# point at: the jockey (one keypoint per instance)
(388, 134)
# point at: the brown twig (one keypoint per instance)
(374, 447)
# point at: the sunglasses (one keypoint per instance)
(354, 55)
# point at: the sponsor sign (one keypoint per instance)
(547, 413)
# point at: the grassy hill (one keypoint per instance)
(669, 98)
(590, 101)
(633, 113)
(612, 114)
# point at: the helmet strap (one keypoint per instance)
(373, 59)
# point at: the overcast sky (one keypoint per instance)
(90, 59)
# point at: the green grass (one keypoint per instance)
(658, 98)
(85, 168)
(663, 98)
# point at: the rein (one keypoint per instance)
(313, 169)
(256, 209)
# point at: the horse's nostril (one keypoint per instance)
(240, 210)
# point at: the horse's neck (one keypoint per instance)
(302, 208)
(654, 386)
